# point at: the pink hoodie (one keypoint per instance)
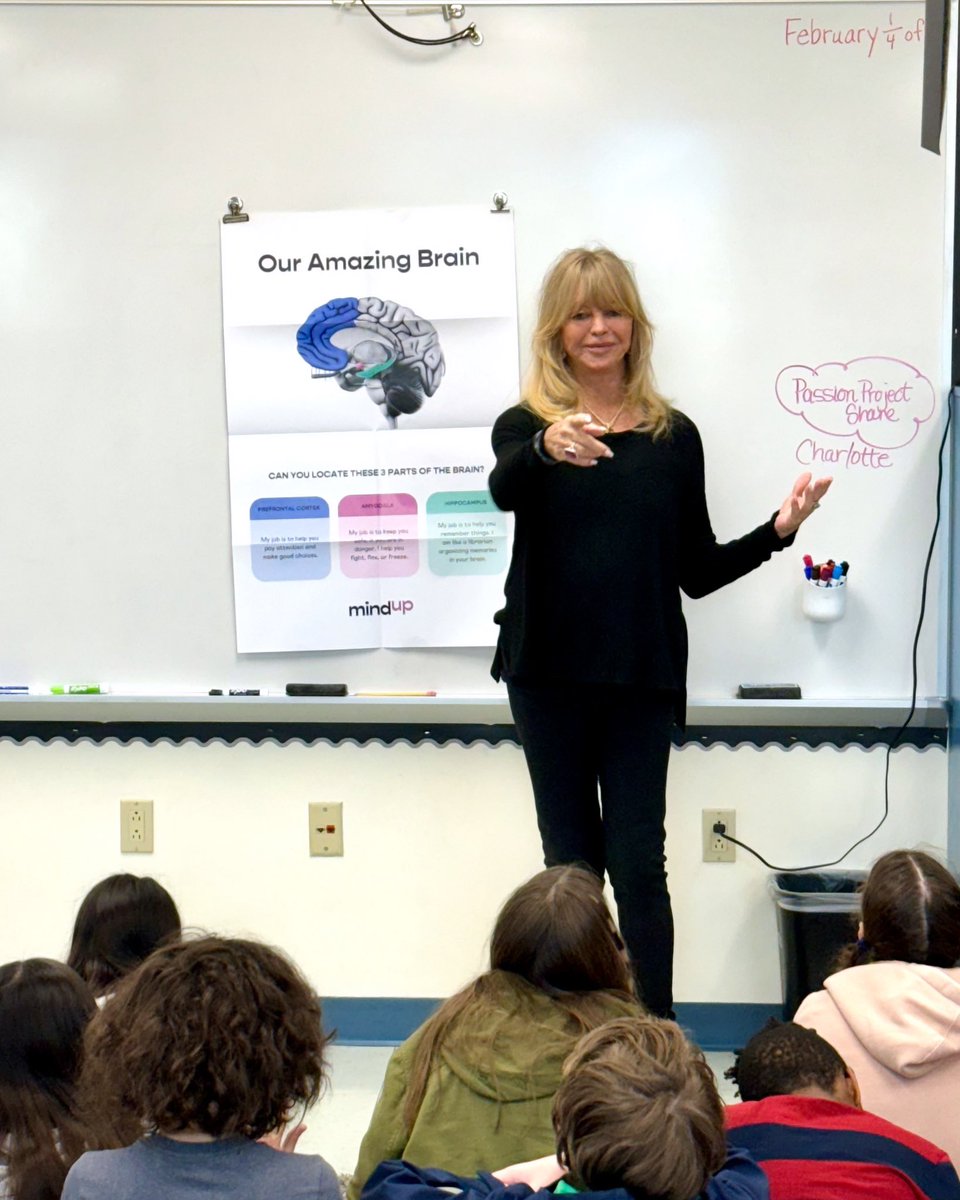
(898, 1026)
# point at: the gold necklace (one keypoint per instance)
(608, 425)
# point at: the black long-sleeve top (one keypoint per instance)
(601, 554)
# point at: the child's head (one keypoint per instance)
(784, 1059)
(44, 1009)
(122, 919)
(218, 1035)
(910, 909)
(639, 1109)
(556, 932)
(553, 934)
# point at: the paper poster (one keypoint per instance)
(367, 354)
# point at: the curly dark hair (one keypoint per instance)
(639, 1109)
(217, 1034)
(44, 1009)
(783, 1058)
(121, 920)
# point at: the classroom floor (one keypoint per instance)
(338, 1122)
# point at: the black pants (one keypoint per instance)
(576, 738)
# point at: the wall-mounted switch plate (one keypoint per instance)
(326, 828)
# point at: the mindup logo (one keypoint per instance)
(389, 608)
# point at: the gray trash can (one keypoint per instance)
(817, 915)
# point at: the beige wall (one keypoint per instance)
(435, 838)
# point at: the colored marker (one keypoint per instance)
(79, 689)
(808, 572)
(838, 572)
(825, 573)
(807, 560)
(14, 689)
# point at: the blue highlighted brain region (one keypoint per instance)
(377, 346)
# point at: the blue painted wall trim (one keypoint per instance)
(387, 1020)
(725, 1026)
(375, 1020)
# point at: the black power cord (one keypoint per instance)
(470, 34)
(719, 826)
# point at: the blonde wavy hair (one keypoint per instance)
(591, 278)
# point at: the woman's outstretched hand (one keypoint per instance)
(575, 440)
(803, 499)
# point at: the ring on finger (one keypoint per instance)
(570, 450)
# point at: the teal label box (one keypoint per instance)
(467, 534)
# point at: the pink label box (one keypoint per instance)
(378, 535)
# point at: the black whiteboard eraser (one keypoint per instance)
(769, 691)
(316, 689)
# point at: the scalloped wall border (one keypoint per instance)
(308, 733)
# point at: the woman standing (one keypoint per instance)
(607, 484)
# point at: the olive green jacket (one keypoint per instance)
(488, 1098)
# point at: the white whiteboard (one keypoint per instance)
(771, 192)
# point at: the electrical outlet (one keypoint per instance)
(136, 826)
(326, 829)
(716, 848)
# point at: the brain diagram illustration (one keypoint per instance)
(377, 345)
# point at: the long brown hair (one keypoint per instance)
(122, 919)
(594, 278)
(556, 934)
(44, 1008)
(910, 908)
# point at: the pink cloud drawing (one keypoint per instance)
(881, 401)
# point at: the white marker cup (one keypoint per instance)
(822, 603)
